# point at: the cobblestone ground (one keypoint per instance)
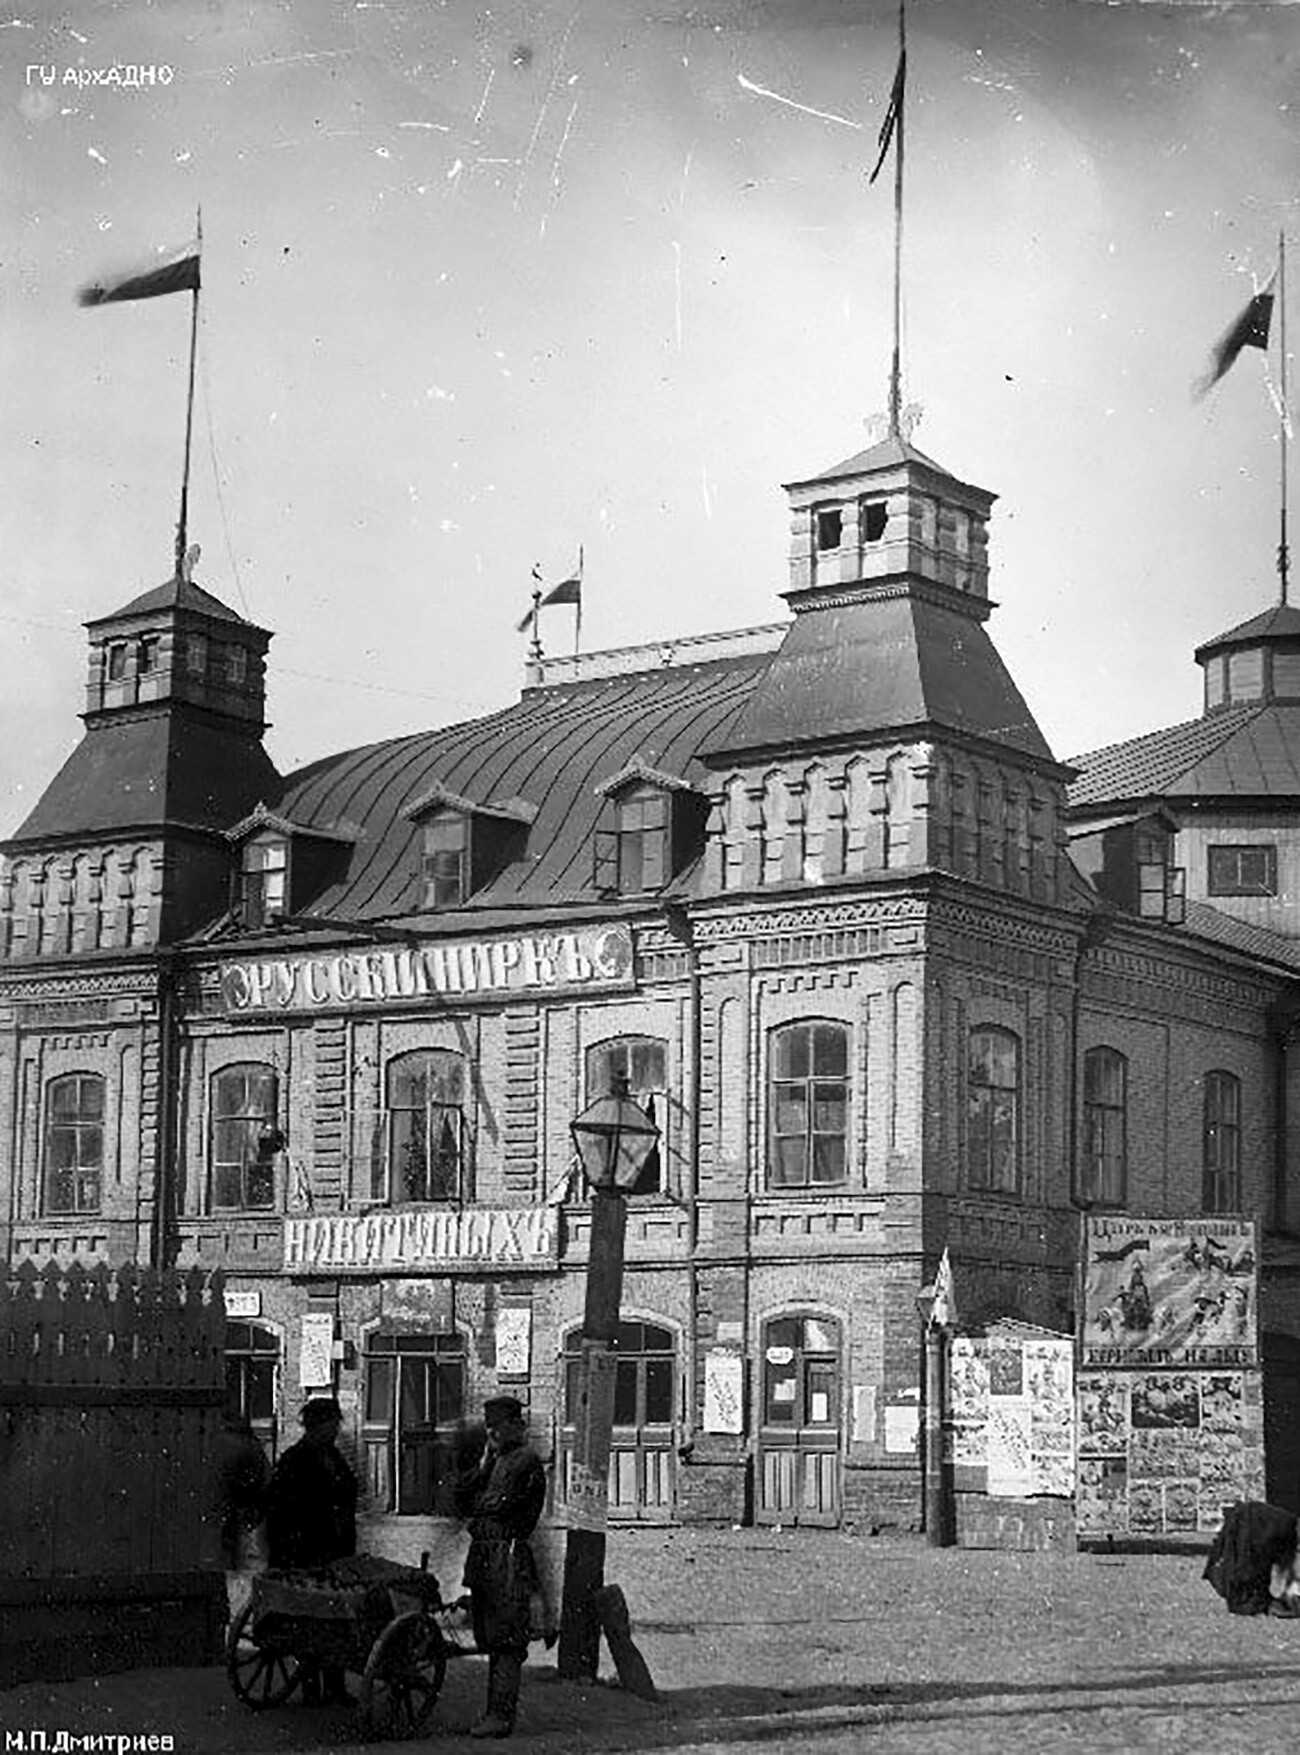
(820, 1643)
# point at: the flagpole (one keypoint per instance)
(895, 370)
(182, 526)
(1283, 552)
(535, 650)
(577, 625)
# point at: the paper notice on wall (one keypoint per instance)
(514, 1336)
(723, 1391)
(1010, 1447)
(901, 1425)
(316, 1359)
(864, 1413)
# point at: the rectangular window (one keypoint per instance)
(147, 654)
(636, 1065)
(266, 881)
(426, 1124)
(74, 1144)
(830, 528)
(245, 1138)
(1243, 871)
(196, 654)
(1104, 1167)
(446, 861)
(236, 665)
(1221, 1143)
(642, 842)
(993, 1111)
(808, 1097)
(875, 516)
(1246, 674)
(117, 661)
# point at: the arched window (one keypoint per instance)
(993, 1110)
(808, 1103)
(1103, 1171)
(1221, 1143)
(641, 1064)
(426, 1126)
(245, 1137)
(74, 1143)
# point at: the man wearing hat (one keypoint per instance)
(311, 1512)
(504, 1498)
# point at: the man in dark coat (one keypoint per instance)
(503, 1498)
(1255, 1543)
(311, 1509)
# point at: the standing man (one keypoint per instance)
(311, 1513)
(503, 1497)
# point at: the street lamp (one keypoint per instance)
(613, 1138)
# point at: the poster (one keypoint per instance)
(514, 1339)
(1010, 1447)
(316, 1358)
(902, 1426)
(723, 1390)
(1170, 1292)
(1010, 1419)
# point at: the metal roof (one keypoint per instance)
(174, 594)
(1252, 941)
(552, 749)
(1241, 752)
(1281, 622)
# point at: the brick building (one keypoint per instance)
(816, 890)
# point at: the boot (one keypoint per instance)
(504, 1668)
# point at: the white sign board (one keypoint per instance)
(316, 1360)
(723, 1391)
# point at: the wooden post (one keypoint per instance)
(938, 1485)
(588, 1494)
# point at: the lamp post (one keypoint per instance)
(613, 1138)
(937, 1308)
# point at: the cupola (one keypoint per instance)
(1256, 664)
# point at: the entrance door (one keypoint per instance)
(642, 1449)
(799, 1438)
(415, 1399)
(252, 1373)
(1281, 1361)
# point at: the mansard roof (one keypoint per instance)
(553, 747)
(1251, 751)
(139, 772)
(888, 658)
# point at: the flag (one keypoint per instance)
(568, 591)
(175, 270)
(943, 1312)
(894, 114)
(1250, 330)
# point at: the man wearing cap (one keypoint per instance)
(311, 1512)
(504, 1498)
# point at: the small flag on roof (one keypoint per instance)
(175, 270)
(894, 114)
(1250, 330)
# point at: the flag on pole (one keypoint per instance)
(567, 591)
(1250, 330)
(894, 114)
(175, 270)
(943, 1312)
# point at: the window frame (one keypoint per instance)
(1104, 1115)
(255, 880)
(82, 1126)
(436, 1114)
(259, 1126)
(651, 1179)
(1221, 1190)
(458, 893)
(1215, 883)
(787, 1090)
(982, 1176)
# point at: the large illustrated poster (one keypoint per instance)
(1170, 1406)
(1163, 1452)
(1170, 1292)
(1010, 1423)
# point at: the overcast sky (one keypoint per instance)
(485, 283)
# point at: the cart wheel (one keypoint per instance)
(260, 1675)
(403, 1676)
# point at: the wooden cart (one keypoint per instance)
(384, 1622)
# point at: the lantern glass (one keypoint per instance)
(614, 1137)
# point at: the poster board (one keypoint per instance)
(1009, 1426)
(1170, 1398)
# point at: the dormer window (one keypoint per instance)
(464, 845)
(830, 527)
(264, 880)
(446, 860)
(652, 824)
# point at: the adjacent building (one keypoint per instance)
(888, 976)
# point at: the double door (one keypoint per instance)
(800, 1437)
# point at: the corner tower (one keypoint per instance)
(126, 848)
(886, 733)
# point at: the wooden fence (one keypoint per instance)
(111, 1391)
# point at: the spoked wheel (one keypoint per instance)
(261, 1675)
(403, 1676)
